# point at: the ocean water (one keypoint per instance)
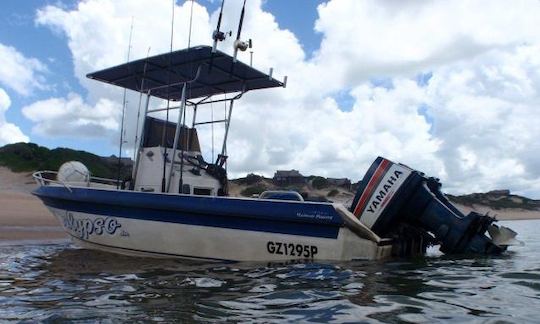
(60, 282)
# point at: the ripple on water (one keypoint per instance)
(60, 283)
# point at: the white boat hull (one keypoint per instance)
(173, 240)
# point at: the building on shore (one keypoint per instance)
(113, 159)
(286, 178)
(340, 182)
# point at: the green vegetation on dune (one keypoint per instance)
(496, 201)
(26, 157)
(319, 182)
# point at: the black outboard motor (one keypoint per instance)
(393, 196)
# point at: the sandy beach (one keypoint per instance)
(23, 217)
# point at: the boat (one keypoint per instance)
(176, 203)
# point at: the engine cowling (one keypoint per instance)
(392, 196)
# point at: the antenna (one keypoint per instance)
(190, 22)
(239, 44)
(124, 102)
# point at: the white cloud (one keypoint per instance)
(20, 73)
(486, 114)
(362, 39)
(9, 133)
(97, 32)
(473, 124)
(60, 116)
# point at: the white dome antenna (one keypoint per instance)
(73, 172)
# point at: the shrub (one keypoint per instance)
(252, 179)
(319, 183)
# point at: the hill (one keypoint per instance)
(497, 200)
(26, 157)
(23, 158)
(499, 203)
(311, 190)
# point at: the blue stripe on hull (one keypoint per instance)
(306, 219)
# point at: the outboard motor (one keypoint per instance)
(393, 197)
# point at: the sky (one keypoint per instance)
(450, 88)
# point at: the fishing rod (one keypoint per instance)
(124, 101)
(218, 35)
(188, 135)
(163, 134)
(190, 23)
(136, 142)
(238, 43)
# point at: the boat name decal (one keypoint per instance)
(292, 249)
(86, 226)
(317, 215)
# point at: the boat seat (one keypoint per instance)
(281, 195)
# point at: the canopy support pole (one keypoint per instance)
(194, 116)
(227, 124)
(138, 154)
(179, 128)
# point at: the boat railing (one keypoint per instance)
(48, 178)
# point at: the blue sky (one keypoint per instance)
(447, 87)
(19, 30)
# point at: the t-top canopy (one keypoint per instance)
(163, 75)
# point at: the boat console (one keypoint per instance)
(191, 173)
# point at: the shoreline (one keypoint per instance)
(23, 217)
(25, 220)
(500, 214)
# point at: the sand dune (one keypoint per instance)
(501, 214)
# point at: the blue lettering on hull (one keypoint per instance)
(85, 227)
